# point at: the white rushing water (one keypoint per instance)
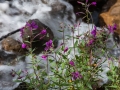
(14, 14)
(51, 14)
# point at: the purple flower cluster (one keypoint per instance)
(72, 63)
(32, 25)
(66, 49)
(90, 42)
(44, 57)
(93, 3)
(94, 31)
(76, 75)
(21, 31)
(24, 45)
(43, 32)
(13, 73)
(25, 72)
(20, 77)
(112, 28)
(48, 45)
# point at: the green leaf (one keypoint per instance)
(113, 86)
(69, 51)
(63, 65)
(89, 86)
(19, 72)
(60, 30)
(27, 42)
(64, 57)
(51, 60)
(38, 67)
(76, 44)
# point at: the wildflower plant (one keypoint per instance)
(33, 80)
(86, 6)
(79, 72)
(114, 78)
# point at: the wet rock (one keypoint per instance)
(60, 10)
(101, 88)
(108, 5)
(41, 27)
(111, 14)
(22, 86)
(11, 45)
(39, 41)
(7, 59)
(95, 10)
(1, 1)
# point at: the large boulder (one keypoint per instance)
(39, 40)
(111, 14)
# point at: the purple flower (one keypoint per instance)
(72, 63)
(43, 32)
(44, 57)
(13, 73)
(112, 28)
(93, 32)
(93, 3)
(76, 75)
(24, 45)
(61, 44)
(21, 31)
(32, 25)
(66, 49)
(90, 42)
(20, 77)
(86, 1)
(25, 72)
(48, 45)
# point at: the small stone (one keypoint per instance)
(9, 44)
